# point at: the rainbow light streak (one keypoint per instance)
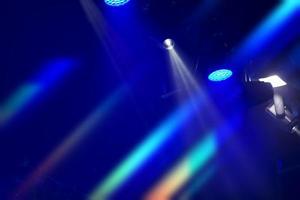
(17, 101)
(72, 141)
(55, 69)
(143, 152)
(185, 170)
(268, 28)
(199, 183)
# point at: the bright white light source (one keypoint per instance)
(169, 44)
(275, 81)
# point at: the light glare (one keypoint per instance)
(169, 44)
(275, 81)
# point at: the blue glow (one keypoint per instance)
(293, 2)
(116, 3)
(53, 71)
(272, 24)
(220, 75)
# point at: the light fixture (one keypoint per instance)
(169, 44)
(220, 75)
(116, 3)
(275, 81)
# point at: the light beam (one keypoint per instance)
(139, 156)
(71, 142)
(185, 169)
(266, 31)
(54, 70)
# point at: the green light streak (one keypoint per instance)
(188, 166)
(143, 152)
(73, 140)
(198, 184)
(202, 153)
(17, 101)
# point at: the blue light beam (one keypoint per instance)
(267, 30)
(32, 89)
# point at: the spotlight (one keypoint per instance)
(275, 81)
(169, 44)
(116, 3)
(220, 75)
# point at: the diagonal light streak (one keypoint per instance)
(139, 156)
(71, 142)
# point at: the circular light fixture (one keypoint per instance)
(169, 44)
(220, 75)
(116, 3)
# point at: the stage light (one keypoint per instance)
(220, 75)
(116, 3)
(169, 44)
(275, 81)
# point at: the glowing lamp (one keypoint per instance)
(169, 44)
(220, 75)
(116, 3)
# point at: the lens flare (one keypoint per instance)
(169, 44)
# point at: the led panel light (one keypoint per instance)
(116, 3)
(275, 81)
(220, 75)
